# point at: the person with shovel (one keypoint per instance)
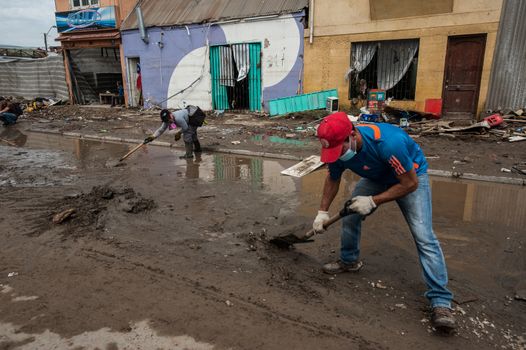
(392, 168)
(188, 120)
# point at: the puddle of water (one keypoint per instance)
(277, 139)
(455, 200)
(141, 336)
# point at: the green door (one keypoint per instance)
(219, 93)
(254, 77)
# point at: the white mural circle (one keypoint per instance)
(194, 65)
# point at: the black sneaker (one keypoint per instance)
(442, 319)
(339, 267)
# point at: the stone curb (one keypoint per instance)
(112, 139)
(433, 172)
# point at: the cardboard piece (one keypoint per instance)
(306, 166)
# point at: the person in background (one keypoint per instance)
(188, 119)
(119, 98)
(9, 112)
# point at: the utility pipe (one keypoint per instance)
(140, 21)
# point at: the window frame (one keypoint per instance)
(412, 85)
(90, 4)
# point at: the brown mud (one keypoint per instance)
(191, 268)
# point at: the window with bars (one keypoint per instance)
(84, 3)
(387, 65)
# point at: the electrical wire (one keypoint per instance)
(192, 84)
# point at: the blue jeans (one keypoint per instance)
(8, 118)
(416, 208)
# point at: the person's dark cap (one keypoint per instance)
(165, 115)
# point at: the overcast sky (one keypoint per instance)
(23, 22)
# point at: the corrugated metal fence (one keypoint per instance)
(507, 88)
(34, 78)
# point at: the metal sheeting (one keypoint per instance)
(299, 103)
(179, 12)
(34, 78)
(507, 87)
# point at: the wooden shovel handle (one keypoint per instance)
(131, 152)
(329, 222)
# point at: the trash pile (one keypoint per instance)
(504, 125)
(510, 127)
(40, 103)
(29, 106)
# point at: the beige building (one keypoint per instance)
(415, 50)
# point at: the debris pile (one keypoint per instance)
(509, 127)
(83, 214)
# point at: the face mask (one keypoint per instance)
(348, 154)
(172, 126)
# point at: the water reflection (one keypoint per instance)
(456, 200)
(277, 139)
(13, 137)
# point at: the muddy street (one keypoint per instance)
(168, 253)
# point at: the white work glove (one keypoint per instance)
(321, 218)
(363, 205)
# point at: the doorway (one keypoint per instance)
(464, 60)
(134, 82)
(94, 71)
(236, 76)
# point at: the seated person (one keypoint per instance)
(8, 112)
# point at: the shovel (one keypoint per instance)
(135, 149)
(289, 240)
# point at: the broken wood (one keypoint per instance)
(63, 215)
(8, 142)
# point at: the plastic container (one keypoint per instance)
(433, 106)
(494, 120)
(373, 118)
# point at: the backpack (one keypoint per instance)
(196, 116)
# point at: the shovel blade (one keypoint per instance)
(288, 241)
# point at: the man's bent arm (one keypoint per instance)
(330, 189)
(408, 183)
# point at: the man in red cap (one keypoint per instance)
(392, 168)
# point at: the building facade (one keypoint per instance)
(417, 51)
(89, 33)
(237, 56)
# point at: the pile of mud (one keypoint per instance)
(85, 214)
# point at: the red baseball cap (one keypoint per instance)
(332, 133)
